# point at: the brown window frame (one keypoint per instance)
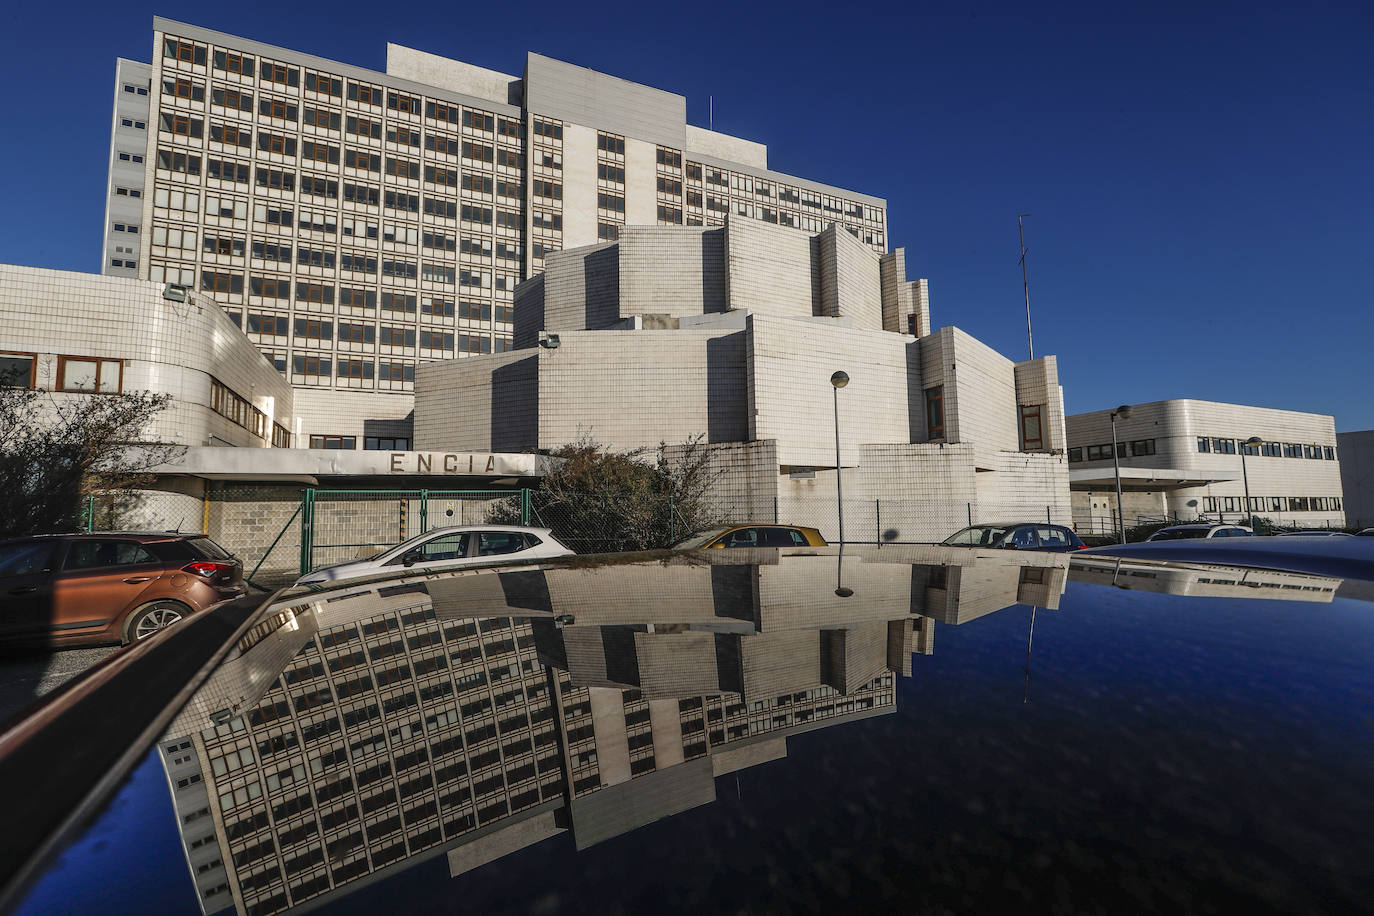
(62, 362)
(935, 397)
(1026, 411)
(33, 365)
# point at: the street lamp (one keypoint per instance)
(1252, 441)
(1124, 412)
(838, 381)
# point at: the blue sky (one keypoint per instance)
(1198, 176)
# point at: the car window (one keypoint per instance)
(208, 548)
(1023, 538)
(493, 543)
(699, 540)
(980, 536)
(101, 554)
(1052, 537)
(22, 559)
(448, 547)
(743, 537)
(1222, 533)
(781, 537)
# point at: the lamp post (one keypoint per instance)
(1252, 441)
(838, 381)
(1124, 412)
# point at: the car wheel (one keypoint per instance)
(149, 619)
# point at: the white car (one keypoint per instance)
(1188, 532)
(448, 548)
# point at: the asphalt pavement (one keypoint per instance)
(25, 676)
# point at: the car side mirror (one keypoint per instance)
(410, 558)
(1010, 545)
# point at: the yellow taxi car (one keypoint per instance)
(754, 536)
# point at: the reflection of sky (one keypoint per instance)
(1177, 754)
(130, 861)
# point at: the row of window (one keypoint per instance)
(400, 304)
(305, 365)
(1206, 444)
(370, 443)
(324, 293)
(1272, 504)
(1222, 446)
(245, 65)
(74, 373)
(1136, 448)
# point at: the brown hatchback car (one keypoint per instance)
(117, 587)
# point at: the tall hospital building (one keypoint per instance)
(355, 223)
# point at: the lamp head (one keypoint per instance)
(1124, 412)
(1254, 440)
(840, 379)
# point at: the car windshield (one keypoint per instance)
(977, 536)
(700, 540)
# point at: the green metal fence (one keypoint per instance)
(341, 525)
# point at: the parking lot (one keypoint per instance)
(26, 675)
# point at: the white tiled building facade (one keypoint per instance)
(732, 334)
(74, 334)
(1183, 458)
(356, 223)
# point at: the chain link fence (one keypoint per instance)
(592, 523)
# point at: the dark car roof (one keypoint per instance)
(1014, 524)
(146, 536)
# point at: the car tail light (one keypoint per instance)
(1082, 546)
(208, 569)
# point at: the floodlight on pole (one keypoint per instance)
(1124, 412)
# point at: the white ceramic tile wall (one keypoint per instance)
(167, 347)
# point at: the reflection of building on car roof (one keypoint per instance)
(754, 536)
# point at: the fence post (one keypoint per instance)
(424, 511)
(878, 517)
(307, 529)
(90, 513)
(1048, 519)
(970, 514)
(672, 523)
(524, 505)
(775, 510)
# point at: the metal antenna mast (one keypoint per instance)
(1030, 344)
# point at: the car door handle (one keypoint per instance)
(134, 580)
(24, 590)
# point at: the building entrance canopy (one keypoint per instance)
(311, 465)
(1143, 478)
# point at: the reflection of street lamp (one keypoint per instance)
(1124, 412)
(841, 589)
(838, 381)
(1252, 441)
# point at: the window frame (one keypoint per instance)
(935, 398)
(33, 366)
(62, 362)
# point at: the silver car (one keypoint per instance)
(449, 548)
(1189, 532)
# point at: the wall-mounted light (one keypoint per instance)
(548, 341)
(174, 292)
